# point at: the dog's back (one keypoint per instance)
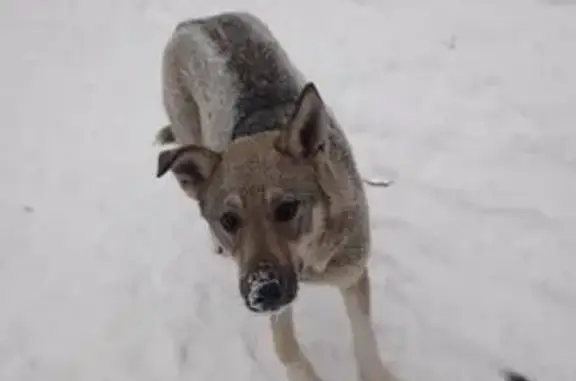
(225, 77)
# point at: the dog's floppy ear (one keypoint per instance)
(306, 132)
(192, 165)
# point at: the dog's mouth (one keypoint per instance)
(268, 291)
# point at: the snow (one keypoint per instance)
(107, 274)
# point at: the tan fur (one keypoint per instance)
(277, 185)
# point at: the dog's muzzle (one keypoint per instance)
(267, 289)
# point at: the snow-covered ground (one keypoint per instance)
(469, 105)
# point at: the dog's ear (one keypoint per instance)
(192, 165)
(306, 132)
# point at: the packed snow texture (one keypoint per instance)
(469, 106)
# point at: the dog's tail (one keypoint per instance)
(165, 136)
(513, 376)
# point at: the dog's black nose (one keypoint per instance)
(270, 293)
(266, 296)
(268, 288)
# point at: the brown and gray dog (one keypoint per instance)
(273, 174)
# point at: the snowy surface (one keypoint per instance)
(470, 106)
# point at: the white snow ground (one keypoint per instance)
(470, 106)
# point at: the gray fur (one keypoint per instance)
(254, 134)
(267, 88)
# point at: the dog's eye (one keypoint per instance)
(230, 222)
(286, 211)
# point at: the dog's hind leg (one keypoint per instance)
(358, 307)
(298, 367)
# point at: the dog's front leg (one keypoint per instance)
(358, 307)
(298, 367)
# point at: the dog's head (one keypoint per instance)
(263, 199)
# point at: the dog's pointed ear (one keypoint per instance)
(306, 132)
(192, 165)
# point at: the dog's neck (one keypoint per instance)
(266, 118)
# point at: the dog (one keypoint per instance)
(273, 174)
